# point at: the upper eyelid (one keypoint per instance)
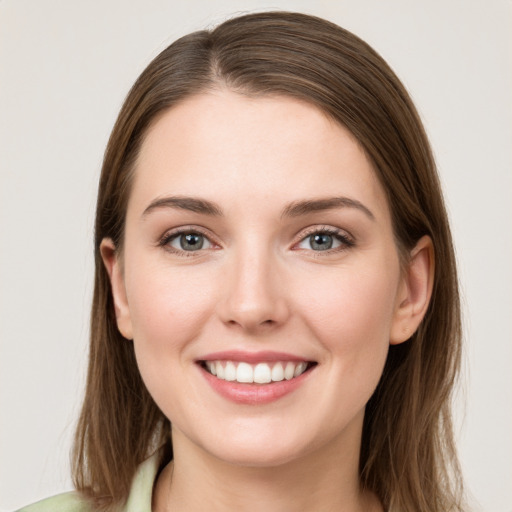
(344, 237)
(303, 233)
(174, 232)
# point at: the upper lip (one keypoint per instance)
(251, 357)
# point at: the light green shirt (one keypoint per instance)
(139, 499)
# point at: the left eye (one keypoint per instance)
(322, 241)
(190, 241)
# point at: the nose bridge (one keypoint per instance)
(254, 297)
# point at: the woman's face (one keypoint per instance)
(258, 246)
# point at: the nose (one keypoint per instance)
(253, 297)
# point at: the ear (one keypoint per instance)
(113, 264)
(414, 292)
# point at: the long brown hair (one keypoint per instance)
(407, 455)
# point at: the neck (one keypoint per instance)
(320, 480)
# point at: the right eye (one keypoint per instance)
(187, 241)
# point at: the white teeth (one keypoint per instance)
(230, 371)
(289, 371)
(220, 370)
(300, 368)
(211, 367)
(244, 373)
(261, 373)
(277, 372)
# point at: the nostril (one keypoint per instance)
(268, 323)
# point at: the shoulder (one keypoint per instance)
(139, 499)
(67, 502)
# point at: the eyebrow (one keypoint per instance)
(298, 208)
(294, 209)
(191, 204)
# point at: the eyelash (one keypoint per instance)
(343, 237)
(345, 240)
(165, 241)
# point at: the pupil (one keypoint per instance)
(191, 241)
(321, 241)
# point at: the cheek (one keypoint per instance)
(167, 302)
(351, 318)
(351, 313)
(168, 309)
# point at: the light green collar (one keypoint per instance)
(141, 492)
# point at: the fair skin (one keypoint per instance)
(257, 232)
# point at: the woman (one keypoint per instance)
(275, 279)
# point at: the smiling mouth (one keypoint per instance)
(259, 373)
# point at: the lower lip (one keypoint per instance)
(254, 394)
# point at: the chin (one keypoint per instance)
(257, 456)
(260, 447)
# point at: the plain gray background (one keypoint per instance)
(65, 67)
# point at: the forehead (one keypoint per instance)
(228, 147)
